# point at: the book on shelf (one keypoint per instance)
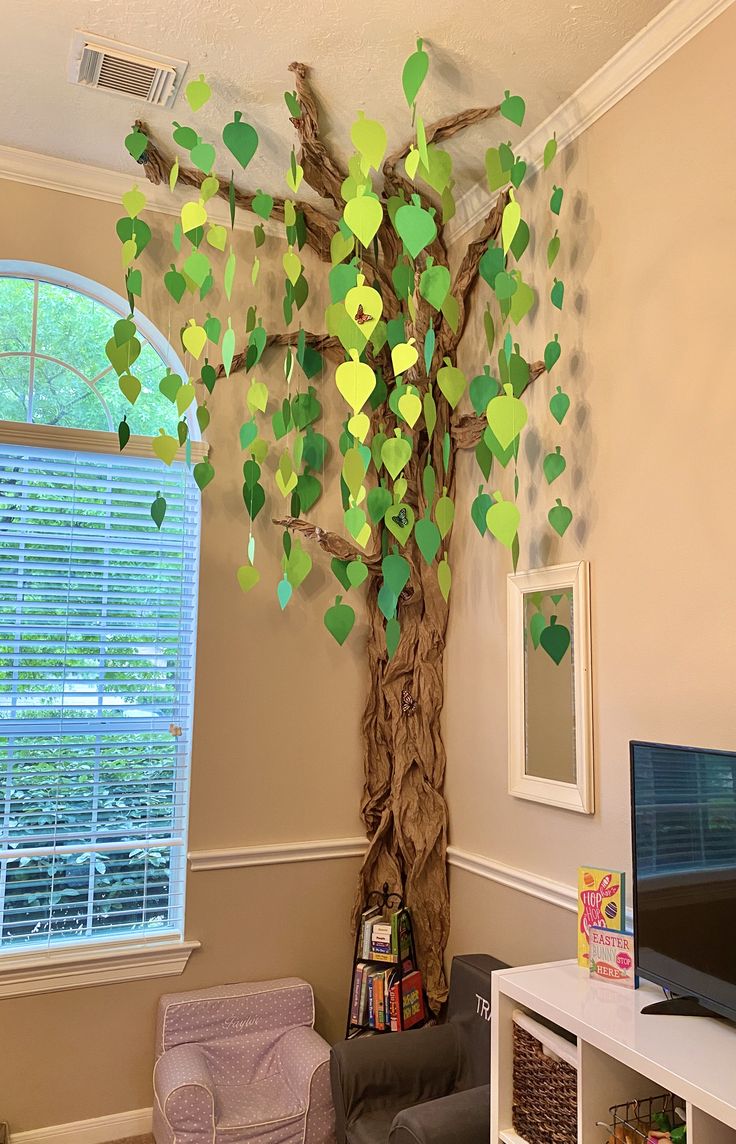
(601, 902)
(366, 920)
(407, 997)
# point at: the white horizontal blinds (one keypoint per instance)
(97, 641)
(685, 810)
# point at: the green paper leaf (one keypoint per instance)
(364, 215)
(444, 514)
(434, 285)
(555, 640)
(479, 510)
(430, 413)
(123, 433)
(520, 240)
(339, 620)
(314, 450)
(550, 150)
(203, 156)
(554, 465)
(503, 519)
(484, 457)
(240, 139)
(369, 138)
(560, 517)
(340, 571)
(552, 353)
(293, 104)
(428, 538)
(557, 293)
(209, 376)
(553, 249)
(537, 624)
(482, 389)
(175, 283)
(203, 473)
(444, 578)
(396, 572)
(415, 227)
(429, 343)
(197, 92)
(510, 223)
(393, 635)
(130, 387)
(395, 453)
(184, 137)
(506, 416)
(489, 329)
(378, 501)
(399, 520)
(555, 202)
(496, 175)
(248, 577)
(414, 73)
(136, 144)
(158, 510)
(513, 108)
(387, 602)
(297, 564)
(452, 383)
(429, 482)
(357, 573)
(522, 302)
(284, 592)
(518, 171)
(248, 433)
(446, 448)
(254, 499)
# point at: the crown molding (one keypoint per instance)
(55, 174)
(675, 25)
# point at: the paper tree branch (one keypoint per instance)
(321, 171)
(445, 128)
(157, 167)
(323, 343)
(467, 273)
(468, 428)
(331, 543)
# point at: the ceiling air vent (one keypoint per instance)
(125, 70)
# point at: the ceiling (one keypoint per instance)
(542, 49)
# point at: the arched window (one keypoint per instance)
(54, 326)
(97, 628)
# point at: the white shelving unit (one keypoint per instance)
(622, 1054)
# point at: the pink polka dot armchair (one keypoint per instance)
(242, 1064)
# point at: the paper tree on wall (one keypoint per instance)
(392, 331)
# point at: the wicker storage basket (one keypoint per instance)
(545, 1085)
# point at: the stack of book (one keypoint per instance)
(386, 996)
(385, 936)
(379, 995)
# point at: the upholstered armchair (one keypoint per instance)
(425, 1086)
(241, 1063)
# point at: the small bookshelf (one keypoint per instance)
(386, 989)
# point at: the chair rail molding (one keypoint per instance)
(669, 31)
(277, 853)
(525, 881)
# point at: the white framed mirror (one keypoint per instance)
(550, 694)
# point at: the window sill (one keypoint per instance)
(47, 971)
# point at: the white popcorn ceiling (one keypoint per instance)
(543, 49)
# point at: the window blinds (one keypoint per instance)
(97, 645)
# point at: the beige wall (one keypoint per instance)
(276, 754)
(650, 362)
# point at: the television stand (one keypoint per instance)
(621, 1054)
(681, 1007)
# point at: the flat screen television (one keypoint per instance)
(684, 850)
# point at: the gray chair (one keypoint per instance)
(425, 1086)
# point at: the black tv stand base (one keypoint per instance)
(680, 1007)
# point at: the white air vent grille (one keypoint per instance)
(118, 68)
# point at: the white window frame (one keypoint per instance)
(100, 961)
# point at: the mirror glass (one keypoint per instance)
(549, 685)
